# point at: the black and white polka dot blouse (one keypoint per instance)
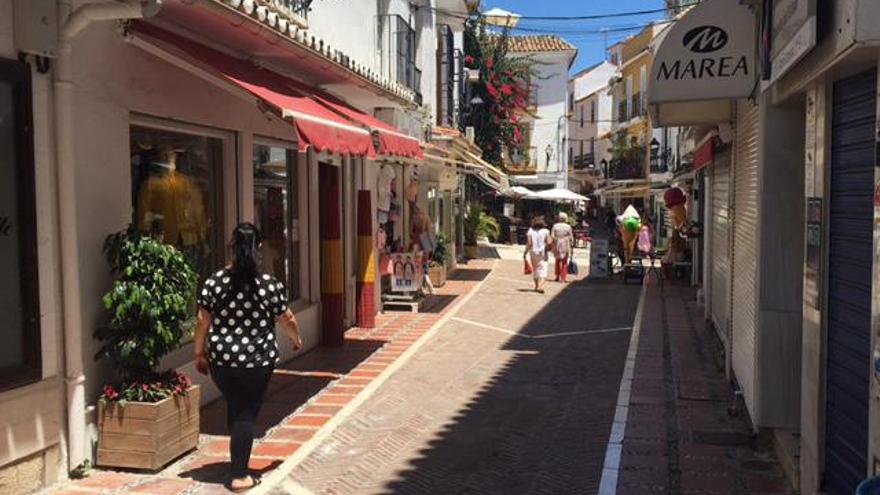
(242, 331)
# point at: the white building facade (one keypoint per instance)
(589, 122)
(546, 164)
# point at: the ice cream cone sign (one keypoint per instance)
(676, 200)
(630, 224)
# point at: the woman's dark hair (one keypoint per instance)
(246, 238)
(538, 222)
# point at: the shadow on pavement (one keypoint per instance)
(541, 424)
(218, 472)
(294, 383)
(469, 274)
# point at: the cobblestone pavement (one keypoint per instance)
(680, 435)
(514, 394)
(304, 396)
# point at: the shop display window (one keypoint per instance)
(19, 296)
(177, 191)
(276, 213)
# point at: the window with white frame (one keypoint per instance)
(177, 189)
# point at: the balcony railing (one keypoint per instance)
(622, 115)
(525, 162)
(584, 162)
(626, 169)
(661, 161)
(297, 7)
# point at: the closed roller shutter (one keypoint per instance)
(721, 242)
(849, 282)
(745, 234)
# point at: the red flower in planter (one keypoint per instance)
(489, 63)
(468, 60)
(110, 393)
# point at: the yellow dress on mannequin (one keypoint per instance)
(172, 205)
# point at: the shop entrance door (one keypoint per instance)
(849, 282)
(332, 264)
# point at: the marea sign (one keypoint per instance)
(704, 40)
(708, 54)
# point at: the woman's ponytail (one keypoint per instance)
(246, 239)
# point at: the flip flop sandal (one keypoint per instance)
(256, 483)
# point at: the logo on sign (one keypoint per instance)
(705, 39)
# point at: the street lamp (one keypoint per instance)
(655, 153)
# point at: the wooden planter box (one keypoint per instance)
(148, 435)
(437, 275)
(472, 252)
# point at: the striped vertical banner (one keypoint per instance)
(332, 297)
(366, 275)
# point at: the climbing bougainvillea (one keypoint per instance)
(503, 86)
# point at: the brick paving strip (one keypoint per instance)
(345, 378)
(679, 377)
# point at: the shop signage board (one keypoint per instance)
(599, 258)
(792, 34)
(406, 272)
(709, 54)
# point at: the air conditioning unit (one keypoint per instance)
(36, 27)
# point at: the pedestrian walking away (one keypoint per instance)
(563, 237)
(235, 342)
(538, 239)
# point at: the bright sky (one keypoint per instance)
(584, 34)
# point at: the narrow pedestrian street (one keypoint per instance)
(515, 393)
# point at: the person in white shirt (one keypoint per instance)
(563, 238)
(538, 239)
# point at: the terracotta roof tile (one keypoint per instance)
(539, 43)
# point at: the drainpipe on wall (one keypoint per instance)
(73, 22)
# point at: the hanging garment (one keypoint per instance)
(172, 205)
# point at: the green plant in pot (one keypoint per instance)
(149, 304)
(441, 250)
(437, 266)
(478, 223)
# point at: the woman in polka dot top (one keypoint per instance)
(235, 342)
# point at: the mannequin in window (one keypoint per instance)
(170, 204)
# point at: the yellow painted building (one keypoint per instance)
(630, 177)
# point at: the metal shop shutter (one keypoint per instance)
(849, 282)
(745, 233)
(721, 242)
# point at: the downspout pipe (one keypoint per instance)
(73, 22)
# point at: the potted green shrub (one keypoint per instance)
(437, 265)
(148, 417)
(478, 224)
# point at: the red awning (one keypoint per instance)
(391, 141)
(316, 125)
(705, 154)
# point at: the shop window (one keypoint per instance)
(19, 296)
(177, 191)
(276, 213)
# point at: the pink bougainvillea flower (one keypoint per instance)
(489, 63)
